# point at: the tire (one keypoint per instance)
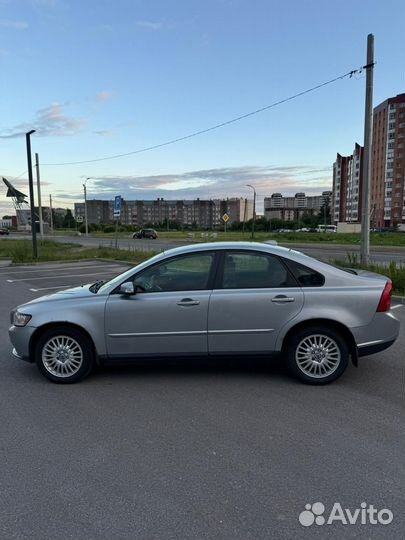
(312, 364)
(75, 354)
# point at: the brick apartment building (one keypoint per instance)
(388, 163)
(387, 171)
(347, 181)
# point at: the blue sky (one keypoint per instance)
(104, 77)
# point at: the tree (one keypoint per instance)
(68, 221)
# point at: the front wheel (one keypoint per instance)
(64, 354)
(317, 355)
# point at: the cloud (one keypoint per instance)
(51, 121)
(150, 25)
(213, 183)
(103, 97)
(15, 25)
(104, 132)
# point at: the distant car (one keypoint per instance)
(145, 233)
(303, 229)
(213, 299)
(4, 232)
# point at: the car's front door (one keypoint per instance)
(255, 295)
(168, 314)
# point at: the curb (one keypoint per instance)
(5, 262)
(400, 299)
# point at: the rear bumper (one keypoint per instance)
(373, 348)
(377, 336)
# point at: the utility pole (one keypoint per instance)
(41, 225)
(85, 206)
(31, 187)
(254, 210)
(368, 126)
(50, 211)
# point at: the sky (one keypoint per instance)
(98, 78)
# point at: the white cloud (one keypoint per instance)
(48, 122)
(15, 25)
(103, 97)
(150, 25)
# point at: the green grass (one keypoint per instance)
(396, 272)
(20, 251)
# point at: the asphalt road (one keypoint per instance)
(229, 450)
(379, 254)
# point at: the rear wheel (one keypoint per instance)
(64, 354)
(317, 354)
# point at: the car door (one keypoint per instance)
(253, 297)
(168, 313)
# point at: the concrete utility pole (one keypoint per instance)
(85, 206)
(368, 133)
(41, 224)
(31, 187)
(254, 210)
(50, 211)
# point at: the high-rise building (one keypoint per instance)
(388, 163)
(387, 171)
(293, 208)
(347, 183)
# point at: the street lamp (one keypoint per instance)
(86, 223)
(254, 209)
(31, 187)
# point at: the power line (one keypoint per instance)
(216, 126)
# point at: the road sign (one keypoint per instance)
(225, 218)
(117, 206)
(79, 219)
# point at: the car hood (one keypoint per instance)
(76, 292)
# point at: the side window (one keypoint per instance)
(305, 276)
(188, 273)
(254, 271)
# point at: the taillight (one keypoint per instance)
(385, 300)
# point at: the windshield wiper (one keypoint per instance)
(96, 285)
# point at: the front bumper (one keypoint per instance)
(20, 337)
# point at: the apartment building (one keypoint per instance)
(205, 214)
(347, 187)
(388, 163)
(293, 208)
(387, 171)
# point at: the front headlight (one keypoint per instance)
(21, 319)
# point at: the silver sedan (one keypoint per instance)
(230, 298)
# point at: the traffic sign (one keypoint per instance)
(225, 218)
(79, 219)
(117, 206)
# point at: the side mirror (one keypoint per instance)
(127, 288)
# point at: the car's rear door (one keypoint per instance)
(168, 314)
(253, 297)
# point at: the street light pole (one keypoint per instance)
(31, 188)
(254, 210)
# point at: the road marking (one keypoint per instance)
(397, 306)
(65, 268)
(57, 277)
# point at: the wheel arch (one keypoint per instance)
(329, 323)
(54, 324)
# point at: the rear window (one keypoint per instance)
(306, 277)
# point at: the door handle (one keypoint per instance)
(282, 299)
(188, 302)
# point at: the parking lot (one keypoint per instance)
(224, 450)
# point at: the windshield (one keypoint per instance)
(117, 280)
